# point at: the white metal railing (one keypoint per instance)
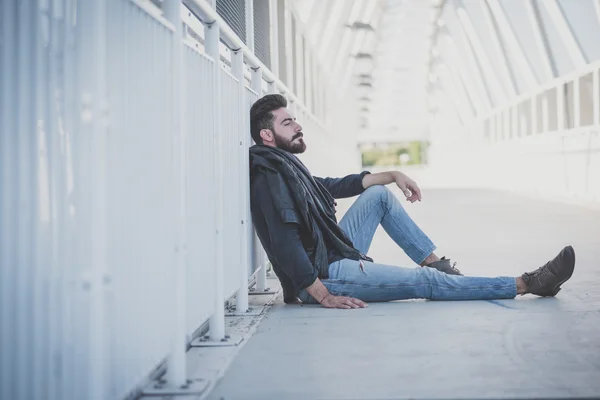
(546, 142)
(545, 108)
(124, 204)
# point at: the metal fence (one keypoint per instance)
(544, 142)
(124, 209)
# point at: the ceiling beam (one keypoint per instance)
(514, 43)
(488, 69)
(566, 33)
(510, 80)
(540, 42)
(452, 93)
(473, 84)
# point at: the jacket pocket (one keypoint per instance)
(289, 215)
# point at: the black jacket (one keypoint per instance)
(293, 214)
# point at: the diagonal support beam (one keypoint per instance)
(488, 70)
(481, 83)
(510, 81)
(566, 33)
(460, 95)
(473, 85)
(339, 13)
(320, 12)
(541, 44)
(510, 36)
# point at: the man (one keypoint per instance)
(319, 261)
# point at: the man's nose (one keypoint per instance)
(298, 127)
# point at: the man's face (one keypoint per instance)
(287, 132)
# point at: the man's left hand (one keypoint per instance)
(408, 186)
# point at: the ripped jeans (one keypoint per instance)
(378, 282)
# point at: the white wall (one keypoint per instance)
(558, 165)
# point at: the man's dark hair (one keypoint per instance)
(261, 114)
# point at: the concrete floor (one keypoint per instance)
(524, 348)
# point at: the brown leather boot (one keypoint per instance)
(545, 281)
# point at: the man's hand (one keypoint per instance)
(331, 301)
(318, 291)
(408, 187)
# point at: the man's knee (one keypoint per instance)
(380, 193)
(377, 191)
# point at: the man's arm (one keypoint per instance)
(407, 185)
(348, 186)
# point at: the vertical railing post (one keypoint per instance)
(534, 120)
(8, 205)
(43, 266)
(261, 275)
(576, 102)
(545, 115)
(272, 88)
(506, 124)
(56, 161)
(176, 368)
(596, 96)
(249, 7)
(560, 107)
(497, 127)
(256, 81)
(93, 130)
(274, 36)
(237, 69)
(26, 194)
(514, 121)
(217, 319)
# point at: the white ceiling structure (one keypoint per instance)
(399, 107)
(392, 39)
(451, 61)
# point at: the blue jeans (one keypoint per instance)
(379, 282)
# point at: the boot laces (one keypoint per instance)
(541, 271)
(453, 267)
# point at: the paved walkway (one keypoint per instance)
(523, 348)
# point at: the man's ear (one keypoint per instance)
(266, 135)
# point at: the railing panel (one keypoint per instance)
(90, 194)
(253, 242)
(141, 193)
(199, 109)
(232, 119)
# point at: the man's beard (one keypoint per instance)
(293, 146)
